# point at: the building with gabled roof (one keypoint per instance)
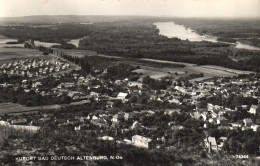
(253, 109)
(211, 144)
(141, 141)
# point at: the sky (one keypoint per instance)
(177, 8)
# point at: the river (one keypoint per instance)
(171, 30)
(75, 41)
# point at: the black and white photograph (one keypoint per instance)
(129, 82)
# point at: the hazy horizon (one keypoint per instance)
(161, 8)
(162, 16)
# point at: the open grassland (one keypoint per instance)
(208, 71)
(152, 73)
(158, 69)
(14, 53)
(6, 108)
(75, 52)
(3, 37)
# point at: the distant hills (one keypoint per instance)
(53, 19)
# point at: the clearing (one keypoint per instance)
(9, 107)
(13, 53)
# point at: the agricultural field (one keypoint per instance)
(208, 71)
(6, 108)
(75, 53)
(15, 53)
(152, 73)
(4, 39)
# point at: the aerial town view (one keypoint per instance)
(131, 83)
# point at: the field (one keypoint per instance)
(152, 73)
(4, 39)
(208, 71)
(6, 108)
(14, 53)
(158, 69)
(75, 53)
(45, 44)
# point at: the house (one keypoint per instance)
(222, 121)
(153, 97)
(82, 102)
(236, 125)
(99, 122)
(69, 85)
(248, 122)
(109, 104)
(253, 109)
(94, 94)
(175, 101)
(36, 84)
(141, 141)
(135, 84)
(25, 127)
(136, 124)
(24, 82)
(71, 94)
(77, 128)
(152, 128)
(204, 116)
(129, 116)
(171, 111)
(118, 117)
(45, 119)
(122, 96)
(213, 120)
(176, 127)
(211, 144)
(196, 115)
(221, 141)
(19, 121)
(106, 138)
(255, 127)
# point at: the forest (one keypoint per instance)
(143, 41)
(140, 39)
(57, 34)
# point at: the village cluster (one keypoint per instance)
(132, 126)
(33, 67)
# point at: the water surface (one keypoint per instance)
(171, 30)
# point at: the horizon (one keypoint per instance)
(151, 16)
(153, 8)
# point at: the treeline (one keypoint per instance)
(53, 34)
(226, 40)
(156, 84)
(30, 98)
(250, 64)
(19, 41)
(242, 142)
(231, 101)
(65, 45)
(4, 78)
(100, 63)
(45, 50)
(83, 63)
(120, 71)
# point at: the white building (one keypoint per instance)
(141, 141)
(253, 109)
(122, 96)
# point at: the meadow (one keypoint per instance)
(13, 53)
(6, 108)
